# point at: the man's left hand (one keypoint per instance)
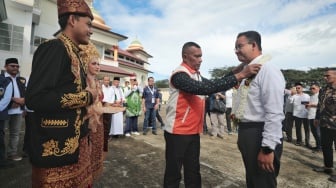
(265, 161)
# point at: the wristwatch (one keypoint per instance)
(266, 150)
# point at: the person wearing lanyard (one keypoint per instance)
(150, 103)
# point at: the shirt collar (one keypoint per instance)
(8, 75)
(256, 60)
(189, 68)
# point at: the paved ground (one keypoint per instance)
(139, 162)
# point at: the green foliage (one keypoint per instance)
(292, 76)
(306, 77)
(219, 72)
(162, 83)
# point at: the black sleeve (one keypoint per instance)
(51, 81)
(184, 82)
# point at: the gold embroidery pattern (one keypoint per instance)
(51, 147)
(74, 100)
(54, 123)
(72, 50)
(78, 83)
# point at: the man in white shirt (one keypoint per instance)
(289, 118)
(260, 114)
(107, 100)
(300, 114)
(16, 108)
(106, 87)
(118, 99)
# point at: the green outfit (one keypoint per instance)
(133, 101)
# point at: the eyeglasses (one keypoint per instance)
(240, 46)
(14, 66)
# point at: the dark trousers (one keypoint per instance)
(316, 133)
(150, 116)
(158, 117)
(182, 150)
(131, 124)
(2, 142)
(249, 143)
(29, 122)
(228, 119)
(205, 126)
(289, 122)
(107, 128)
(298, 124)
(328, 136)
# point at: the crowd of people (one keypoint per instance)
(317, 114)
(70, 115)
(300, 108)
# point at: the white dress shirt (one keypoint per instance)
(228, 98)
(289, 104)
(265, 100)
(299, 109)
(16, 94)
(107, 94)
(117, 94)
(312, 110)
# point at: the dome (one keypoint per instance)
(98, 21)
(135, 45)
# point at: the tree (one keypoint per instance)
(219, 72)
(305, 77)
(292, 76)
(162, 83)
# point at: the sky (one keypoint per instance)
(298, 34)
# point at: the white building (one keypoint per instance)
(24, 24)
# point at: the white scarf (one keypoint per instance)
(244, 89)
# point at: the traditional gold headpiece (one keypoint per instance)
(88, 52)
(73, 6)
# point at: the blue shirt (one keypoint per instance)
(150, 95)
(7, 97)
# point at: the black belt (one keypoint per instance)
(246, 125)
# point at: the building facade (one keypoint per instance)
(25, 24)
